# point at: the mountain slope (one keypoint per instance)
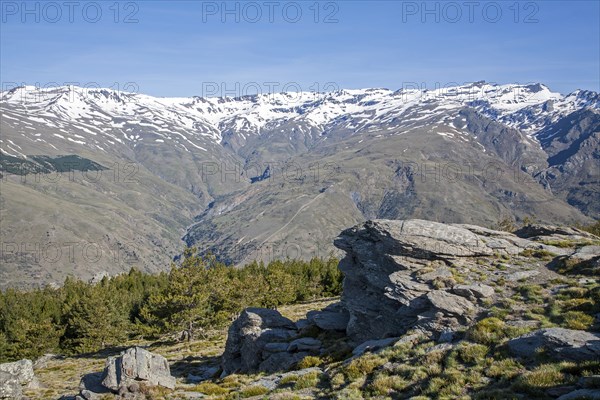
(276, 175)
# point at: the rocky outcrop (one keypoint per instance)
(258, 340)
(137, 365)
(429, 278)
(126, 373)
(14, 376)
(558, 343)
(10, 388)
(400, 275)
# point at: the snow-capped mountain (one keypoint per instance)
(98, 118)
(264, 175)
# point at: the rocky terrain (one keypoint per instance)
(111, 179)
(428, 310)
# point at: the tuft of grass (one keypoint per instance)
(493, 331)
(507, 368)
(210, 389)
(541, 254)
(543, 377)
(472, 353)
(363, 366)
(252, 391)
(286, 380)
(306, 381)
(577, 320)
(383, 384)
(309, 362)
(563, 244)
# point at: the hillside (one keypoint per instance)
(427, 311)
(275, 175)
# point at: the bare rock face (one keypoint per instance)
(431, 278)
(252, 340)
(560, 343)
(14, 376)
(399, 275)
(137, 365)
(10, 388)
(23, 370)
(390, 269)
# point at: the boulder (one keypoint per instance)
(331, 318)
(389, 271)
(10, 388)
(396, 273)
(586, 253)
(559, 343)
(586, 258)
(23, 371)
(136, 364)
(248, 337)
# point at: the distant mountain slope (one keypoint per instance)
(278, 175)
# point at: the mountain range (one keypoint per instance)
(95, 181)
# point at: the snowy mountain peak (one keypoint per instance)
(192, 122)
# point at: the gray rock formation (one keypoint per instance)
(137, 365)
(14, 376)
(559, 343)
(331, 318)
(10, 388)
(23, 370)
(400, 274)
(384, 289)
(252, 336)
(476, 291)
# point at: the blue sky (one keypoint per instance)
(184, 48)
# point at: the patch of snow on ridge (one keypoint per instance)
(526, 107)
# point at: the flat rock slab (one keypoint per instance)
(517, 276)
(559, 343)
(329, 320)
(450, 303)
(479, 291)
(416, 238)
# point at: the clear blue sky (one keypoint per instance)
(184, 48)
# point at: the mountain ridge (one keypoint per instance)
(276, 175)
